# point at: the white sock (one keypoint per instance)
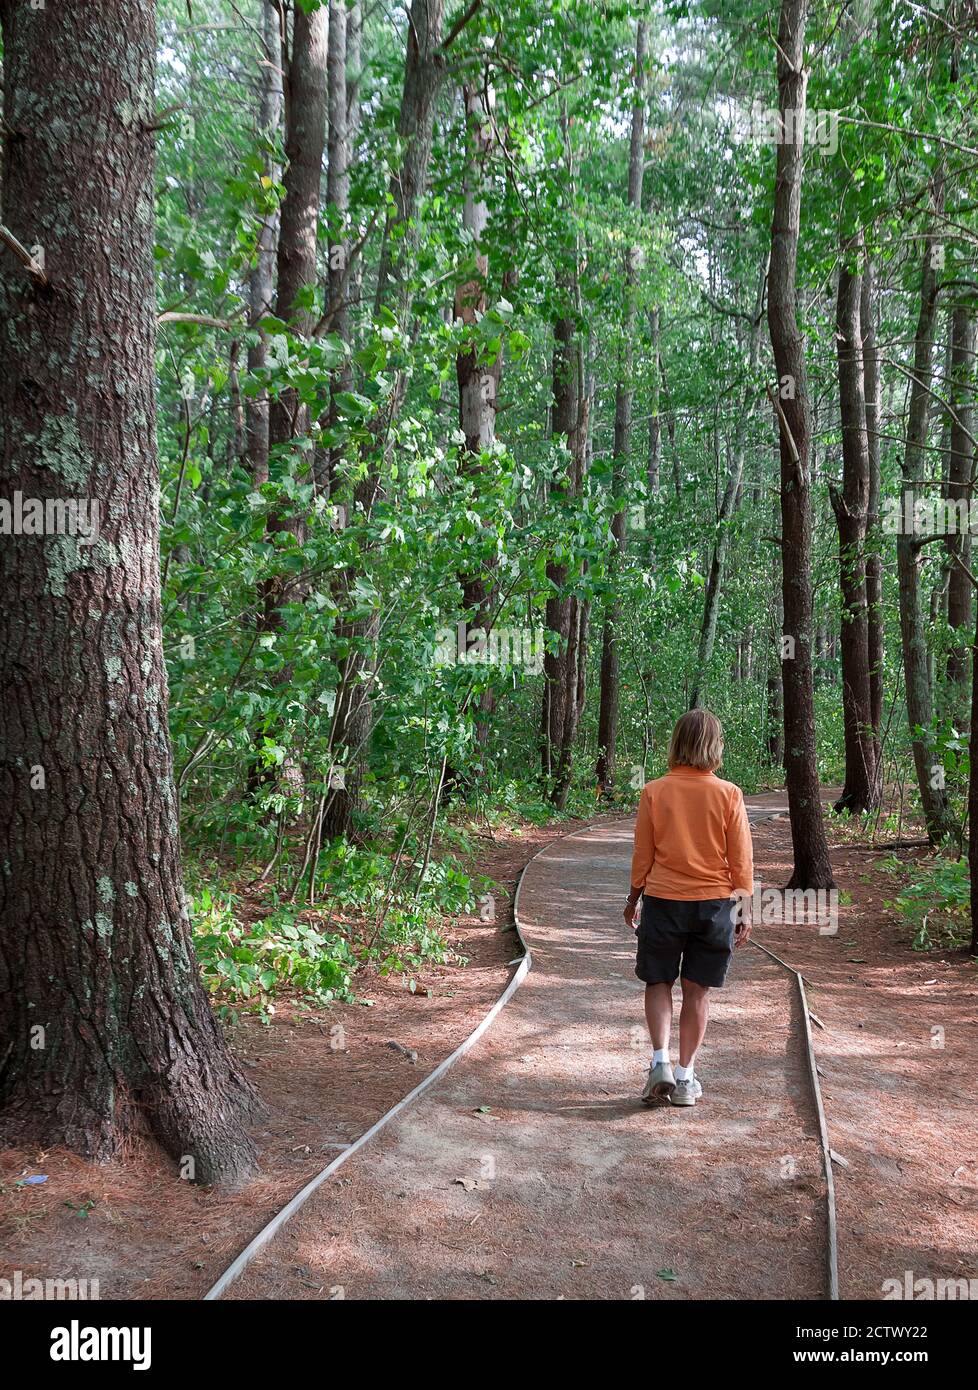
(684, 1073)
(660, 1054)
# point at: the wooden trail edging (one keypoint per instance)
(831, 1228)
(524, 965)
(267, 1233)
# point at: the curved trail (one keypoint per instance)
(530, 1170)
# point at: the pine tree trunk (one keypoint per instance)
(305, 144)
(261, 285)
(961, 397)
(105, 1024)
(812, 868)
(913, 630)
(422, 71)
(610, 675)
(851, 507)
(874, 564)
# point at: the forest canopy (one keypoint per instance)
(523, 375)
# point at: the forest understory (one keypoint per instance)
(900, 1111)
(408, 411)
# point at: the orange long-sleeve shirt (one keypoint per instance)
(692, 838)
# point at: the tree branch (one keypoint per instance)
(460, 23)
(173, 316)
(22, 254)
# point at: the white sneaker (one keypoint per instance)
(660, 1083)
(686, 1092)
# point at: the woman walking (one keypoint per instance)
(693, 867)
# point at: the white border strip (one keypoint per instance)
(272, 1228)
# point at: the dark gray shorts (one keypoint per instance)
(694, 939)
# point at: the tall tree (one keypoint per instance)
(874, 562)
(610, 677)
(261, 284)
(851, 506)
(812, 868)
(729, 503)
(563, 689)
(338, 208)
(104, 1021)
(960, 390)
(477, 373)
(296, 263)
(909, 546)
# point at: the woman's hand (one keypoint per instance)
(743, 918)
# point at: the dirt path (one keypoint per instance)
(898, 1055)
(532, 1170)
(325, 1075)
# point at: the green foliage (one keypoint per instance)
(936, 902)
(293, 952)
(254, 709)
(246, 966)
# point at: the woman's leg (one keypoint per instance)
(658, 1015)
(692, 1019)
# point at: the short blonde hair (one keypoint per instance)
(697, 741)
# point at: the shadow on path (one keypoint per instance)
(533, 1171)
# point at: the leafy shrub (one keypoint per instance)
(246, 966)
(937, 903)
(401, 908)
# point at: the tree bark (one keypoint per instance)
(105, 1025)
(812, 868)
(874, 564)
(563, 668)
(851, 507)
(610, 676)
(961, 398)
(305, 144)
(261, 285)
(422, 75)
(913, 630)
